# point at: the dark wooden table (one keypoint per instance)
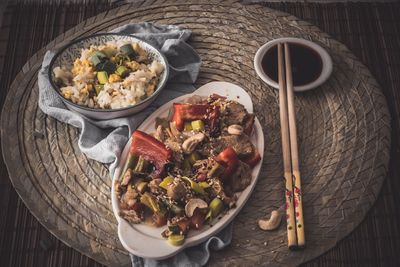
(371, 31)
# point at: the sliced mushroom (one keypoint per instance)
(272, 223)
(176, 191)
(190, 144)
(193, 204)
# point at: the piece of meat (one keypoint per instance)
(241, 178)
(176, 190)
(127, 177)
(248, 124)
(130, 194)
(154, 185)
(235, 113)
(240, 143)
(131, 216)
(176, 148)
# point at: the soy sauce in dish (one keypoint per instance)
(306, 64)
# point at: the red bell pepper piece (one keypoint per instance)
(253, 159)
(152, 150)
(229, 159)
(188, 112)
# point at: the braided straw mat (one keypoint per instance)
(343, 132)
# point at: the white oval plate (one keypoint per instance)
(146, 241)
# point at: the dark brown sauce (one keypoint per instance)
(306, 64)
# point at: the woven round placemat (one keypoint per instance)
(343, 128)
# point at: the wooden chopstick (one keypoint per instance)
(291, 224)
(298, 203)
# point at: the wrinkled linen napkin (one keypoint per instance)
(104, 140)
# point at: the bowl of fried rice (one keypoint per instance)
(108, 75)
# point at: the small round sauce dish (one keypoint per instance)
(311, 64)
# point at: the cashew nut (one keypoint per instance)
(193, 204)
(190, 144)
(235, 129)
(272, 223)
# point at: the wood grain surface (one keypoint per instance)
(372, 33)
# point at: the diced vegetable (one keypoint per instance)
(122, 71)
(198, 125)
(95, 60)
(121, 59)
(97, 57)
(166, 181)
(152, 150)
(188, 126)
(98, 88)
(141, 164)
(106, 66)
(229, 159)
(176, 209)
(127, 49)
(99, 54)
(129, 164)
(195, 186)
(176, 240)
(187, 167)
(208, 217)
(193, 157)
(216, 207)
(204, 185)
(109, 52)
(102, 76)
(150, 201)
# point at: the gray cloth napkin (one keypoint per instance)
(104, 140)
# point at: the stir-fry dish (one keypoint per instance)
(187, 172)
(110, 76)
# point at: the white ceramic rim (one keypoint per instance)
(326, 62)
